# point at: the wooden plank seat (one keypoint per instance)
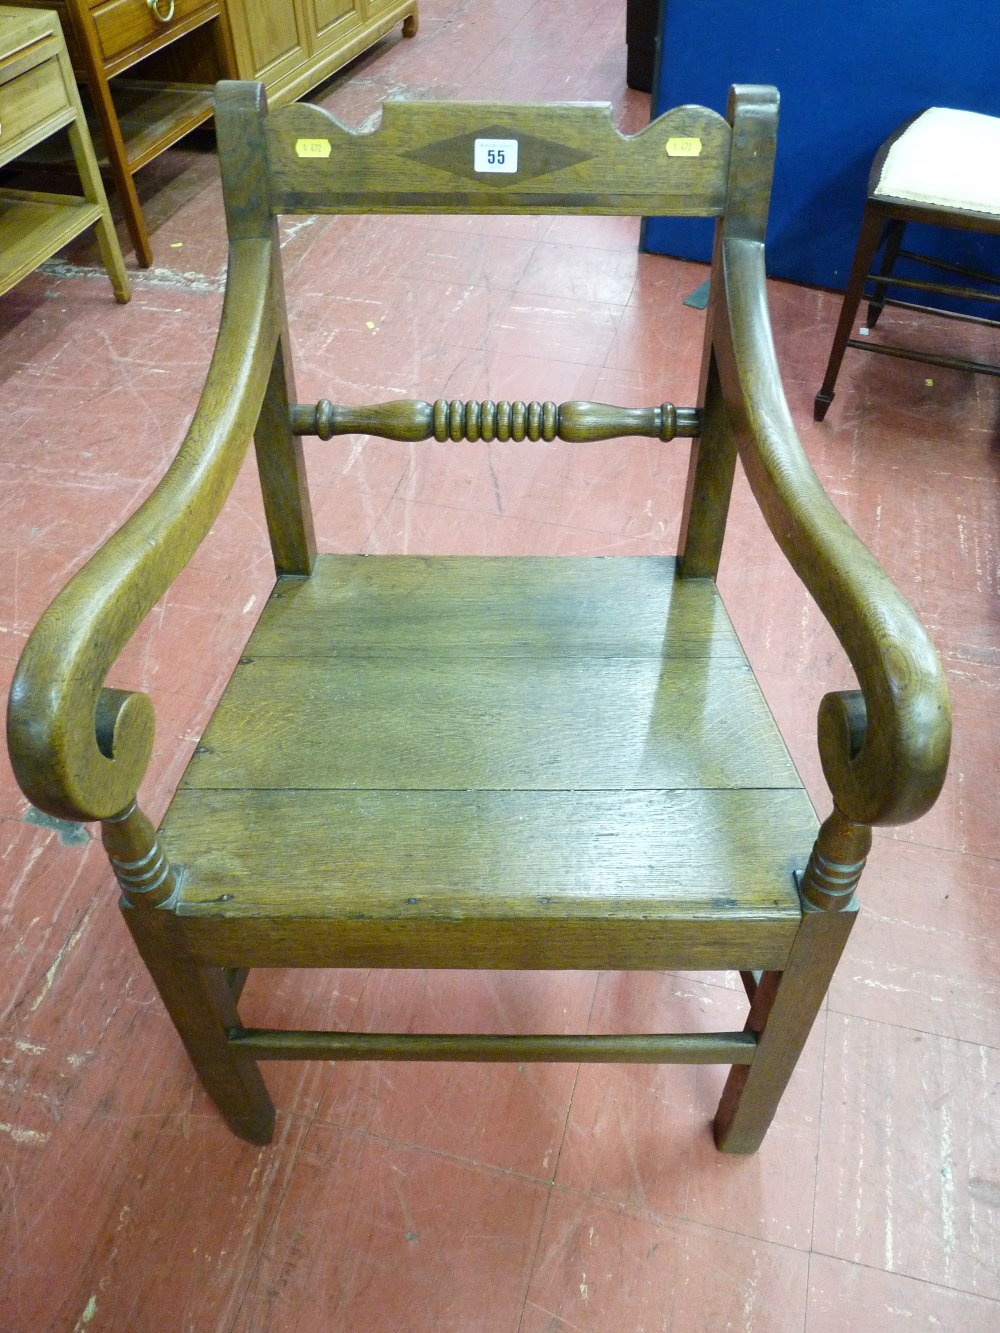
(470, 755)
(461, 762)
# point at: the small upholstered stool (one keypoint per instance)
(942, 168)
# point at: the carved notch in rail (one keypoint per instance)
(453, 419)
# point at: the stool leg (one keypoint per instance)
(868, 242)
(894, 239)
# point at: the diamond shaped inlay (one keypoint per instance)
(536, 156)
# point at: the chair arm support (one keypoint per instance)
(79, 750)
(884, 749)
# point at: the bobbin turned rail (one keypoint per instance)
(453, 419)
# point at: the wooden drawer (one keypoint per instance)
(127, 25)
(29, 101)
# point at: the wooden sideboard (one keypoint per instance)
(292, 45)
(149, 66)
(39, 97)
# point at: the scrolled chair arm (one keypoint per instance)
(79, 749)
(884, 747)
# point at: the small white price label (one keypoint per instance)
(494, 155)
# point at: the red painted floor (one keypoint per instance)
(414, 1197)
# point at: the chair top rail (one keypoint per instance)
(484, 157)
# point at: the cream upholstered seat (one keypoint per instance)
(943, 168)
(947, 158)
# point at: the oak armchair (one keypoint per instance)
(480, 762)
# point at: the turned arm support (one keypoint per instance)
(80, 750)
(884, 747)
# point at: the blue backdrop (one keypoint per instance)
(849, 72)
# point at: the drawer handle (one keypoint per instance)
(154, 9)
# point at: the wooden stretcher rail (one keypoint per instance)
(661, 1048)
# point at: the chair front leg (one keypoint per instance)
(201, 1000)
(202, 1006)
(785, 1004)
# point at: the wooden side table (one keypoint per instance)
(38, 96)
(174, 51)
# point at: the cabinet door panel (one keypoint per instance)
(292, 45)
(334, 14)
(275, 34)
